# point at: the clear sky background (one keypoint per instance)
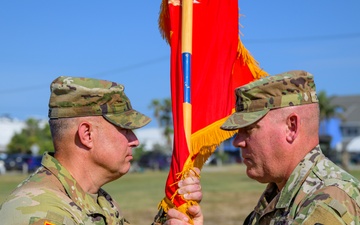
(120, 41)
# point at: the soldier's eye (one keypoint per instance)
(251, 128)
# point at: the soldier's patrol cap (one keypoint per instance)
(78, 96)
(256, 99)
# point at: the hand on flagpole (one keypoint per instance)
(190, 189)
(175, 217)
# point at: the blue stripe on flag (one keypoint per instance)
(186, 64)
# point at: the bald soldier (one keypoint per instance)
(92, 125)
(277, 119)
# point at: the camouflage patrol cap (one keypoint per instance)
(77, 96)
(256, 99)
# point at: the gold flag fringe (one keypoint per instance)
(166, 204)
(249, 60)
(205, 141)
(164, 21)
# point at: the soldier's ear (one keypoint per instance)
(292, 122)
(85, 134)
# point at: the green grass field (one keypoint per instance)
(228, 194)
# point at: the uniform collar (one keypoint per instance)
(82, 199)
(298, 177)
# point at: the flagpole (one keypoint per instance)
(186, 50)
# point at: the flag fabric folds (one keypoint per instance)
(219, 64)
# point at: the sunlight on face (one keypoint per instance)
(113, 152)
(259, 143)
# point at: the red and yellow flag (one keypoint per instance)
(203, 79)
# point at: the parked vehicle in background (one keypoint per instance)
(22, 162)
(155, 160)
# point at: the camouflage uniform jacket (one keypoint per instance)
(317, 192)
(51, 196)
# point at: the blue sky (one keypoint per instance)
(120, 41)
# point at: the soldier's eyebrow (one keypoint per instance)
(248, 128)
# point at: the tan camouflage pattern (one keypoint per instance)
(255, 99)
(77, 96)
(317, 192)
(52, 195)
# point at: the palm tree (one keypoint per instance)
(328, 111)
(163, 115)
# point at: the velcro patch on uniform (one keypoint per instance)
(336, 205)
(321, 215)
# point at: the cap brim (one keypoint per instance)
(242, 119)
(131, 119)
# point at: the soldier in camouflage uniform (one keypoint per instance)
(91, 123)
(277, 119)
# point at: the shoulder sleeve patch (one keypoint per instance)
(321, 215)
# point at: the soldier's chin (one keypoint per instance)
(125, 169)
(251, 172)
(129, 167)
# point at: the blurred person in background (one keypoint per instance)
(91, 124)
(277, 119)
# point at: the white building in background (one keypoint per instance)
(8, 127)
(150, 136)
